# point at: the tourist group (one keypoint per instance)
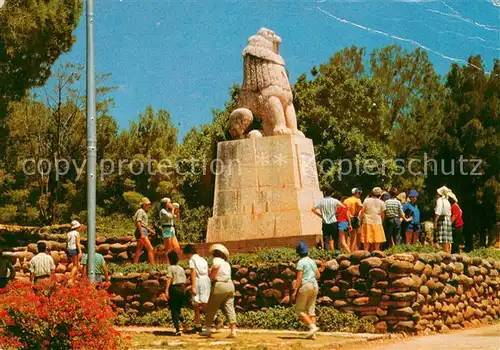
(384, 218)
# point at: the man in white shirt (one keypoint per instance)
(326, 209)
(42, 265)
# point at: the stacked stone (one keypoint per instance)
(456, 292)
(118, 250)
(415, 293)
(138, 293)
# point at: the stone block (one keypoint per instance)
(265, 188)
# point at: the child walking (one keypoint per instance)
(175, 290)
(306, 289)
(74, 248)
(200, 282)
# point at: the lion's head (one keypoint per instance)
(267, 39)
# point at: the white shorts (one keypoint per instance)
(203, 287)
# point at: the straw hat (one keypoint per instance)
(220, 248)
(453, 196)
(377, 191)
(165, 200)
(75, 224)
(145, 200)
(443, 191)
(176, 205)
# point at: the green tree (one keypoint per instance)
(471, 133)
(414, 96)
(342, 110)
(47, 133)
(33, 34)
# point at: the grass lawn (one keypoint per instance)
(245, 340)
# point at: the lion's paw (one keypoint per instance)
(282, 131)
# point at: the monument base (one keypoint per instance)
(265, 188)
(255, 245)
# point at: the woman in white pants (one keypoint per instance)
(222, 294)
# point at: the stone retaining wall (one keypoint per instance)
(117, 250)
(403, 292)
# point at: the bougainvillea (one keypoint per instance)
(54, 315)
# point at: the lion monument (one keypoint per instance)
(265, 94)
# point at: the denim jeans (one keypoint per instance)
(392, 227)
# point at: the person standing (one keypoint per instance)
(354, 206)
(344, 224)
(411, 210)
(42, 265)
(142, 231)
(222, 291)
(442, 220)
(326, 209)
(393, 214)
(175, 290)
(200, 282)
(100, 266)
(457, 223)
(167, 223)
(306, 289)
(7, 270)
(372, 216)
(74, 248)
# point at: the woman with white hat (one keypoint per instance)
(442, 220)
(74, 248)
(457, 224)
(222, 291)
(168, 214)
(142, 231)
(372, 216)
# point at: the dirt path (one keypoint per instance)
(483, 338)
(162, 338)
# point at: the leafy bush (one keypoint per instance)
(133, 200)
(485, 253)
(52, 315)
(136, 268)
(412, 248)
(279, 255)
(194, 224)
(8, 213)
(278, 318)
(161, 318)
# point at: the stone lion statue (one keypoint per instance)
(265, 94)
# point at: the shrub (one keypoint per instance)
(485, 253)
(277, 318)
(279, 255)
(136, 268)
(409, 248)
(8, 213)
(52, 315)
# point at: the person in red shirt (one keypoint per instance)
(458, 224)
(344, 223)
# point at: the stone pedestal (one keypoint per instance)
(265, 188)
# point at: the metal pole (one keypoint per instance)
(91, 141)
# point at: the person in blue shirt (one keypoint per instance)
(306, 289)
(411, 210)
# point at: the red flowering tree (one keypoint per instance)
(53, 315)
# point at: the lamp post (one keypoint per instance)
(91, 141)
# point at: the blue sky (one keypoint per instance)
(184, 56)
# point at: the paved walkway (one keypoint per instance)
(482, 338)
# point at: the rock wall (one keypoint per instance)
(404, 292)
(117, 250)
